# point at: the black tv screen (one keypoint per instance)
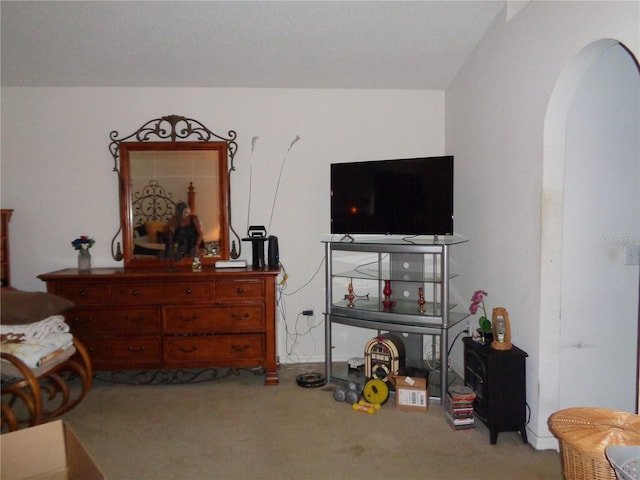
(412, 196)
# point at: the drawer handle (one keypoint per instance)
(135, 293)
(240, 290)
(139, 349)
(83, 293)
(189, 291)
(189, 319)
(134, 319)
(240, 348)
(185, 350)
(244, 316)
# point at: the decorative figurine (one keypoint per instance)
(421, 300)
(350, 296)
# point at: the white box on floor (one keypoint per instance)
(50, 451)
(412, 393)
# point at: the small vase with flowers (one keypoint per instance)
(82, 244)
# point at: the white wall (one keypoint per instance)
(601, 213)
(495, 118)
(57, 170)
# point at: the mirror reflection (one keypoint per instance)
(175, 202)
(162, 181)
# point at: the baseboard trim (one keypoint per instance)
(542, 443)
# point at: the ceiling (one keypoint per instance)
(256, 44)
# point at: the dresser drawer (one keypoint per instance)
(115, 321)
(82, 294)
(137, 293)
(218, 319)
(182, 292)
(123, 352)
(214, 350)
(238, 290)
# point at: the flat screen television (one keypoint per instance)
(412, 196)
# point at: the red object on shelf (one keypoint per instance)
(387, 289)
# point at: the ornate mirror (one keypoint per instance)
(167, 163)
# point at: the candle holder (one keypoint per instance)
(387, 303)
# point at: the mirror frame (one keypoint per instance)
(171, 133)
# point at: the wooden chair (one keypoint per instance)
(34, 396)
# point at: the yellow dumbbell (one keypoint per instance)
(359, 408)
(375, 406)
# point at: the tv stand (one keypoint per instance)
(418, 274)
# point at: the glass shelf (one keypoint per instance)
(428, 325)
(393, 240)
(385, 274)
(406, 310)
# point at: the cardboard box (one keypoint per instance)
(412, 393)
(50, 451)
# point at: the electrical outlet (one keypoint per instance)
(632, 254)
(308, 313)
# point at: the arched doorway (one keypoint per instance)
(591, 211)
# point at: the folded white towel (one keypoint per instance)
(35, 332)
(33, 354)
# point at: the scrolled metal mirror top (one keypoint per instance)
(167, 161)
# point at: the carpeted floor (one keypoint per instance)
(236, 428)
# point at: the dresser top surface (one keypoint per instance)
(178, 273)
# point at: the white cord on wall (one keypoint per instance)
(275, 195)
(253, 146)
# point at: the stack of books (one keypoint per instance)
(458, 406)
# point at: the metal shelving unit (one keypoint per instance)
(417, 268)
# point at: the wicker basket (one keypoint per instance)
(585, 432)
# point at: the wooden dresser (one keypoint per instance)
(5, 257)
(158, 319)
